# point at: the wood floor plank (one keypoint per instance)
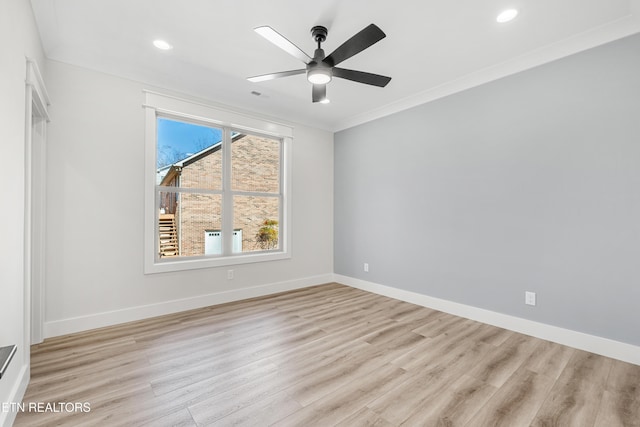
(548, 359)
(137, 409)
(618, 410)
(417, 391)
(263, 413)
(199, 377)
(365, 417)
(442, 346)
(516, 402)
(624, 378)
(443, 323)
(226, 403)
(336, 407)
(493, 335)
(181, 418)
(324, 355)
(505, 360)
(455, 405)
(621, 400)
(358, 364)
(576, 395)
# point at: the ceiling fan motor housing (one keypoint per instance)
(319, 33)
(318, 72)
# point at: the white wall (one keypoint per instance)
(20, 39)
(95, 213)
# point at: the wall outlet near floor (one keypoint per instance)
(229, 274)
(366, 267)
(530, 298)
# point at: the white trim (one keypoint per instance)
(16, 395)
(34, 80)
(37, 226)
(200, 111)
(36, 102)
(286, 174)
(591, 343)
(150, 244)
(606, 33)
(195, 263)
(109, 318)
(227, 195)
(28, 284)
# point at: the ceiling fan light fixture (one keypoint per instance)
(162, 45)
(319, 76)
(507, 15)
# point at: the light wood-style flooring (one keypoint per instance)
(327, 356)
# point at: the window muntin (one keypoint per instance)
(226, 188)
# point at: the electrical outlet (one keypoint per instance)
(530, 298)
(229, 274)
(366, 267)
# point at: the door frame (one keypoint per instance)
(36, 119)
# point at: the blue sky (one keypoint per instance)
(178, 140)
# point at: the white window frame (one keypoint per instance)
(157, 104)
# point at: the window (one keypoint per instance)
(216, 187)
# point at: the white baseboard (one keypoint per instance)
(16, 396)
(109, 318)
(591, 343)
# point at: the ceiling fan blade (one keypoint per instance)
(319, 93)
(361, 77)
(356, 44)
(265, 77)
(279, 40)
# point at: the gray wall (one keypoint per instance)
(530, 182)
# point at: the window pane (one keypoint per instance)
(255, 163)
(188, 223)
(188, 155)
(199, 171)
(257, 218)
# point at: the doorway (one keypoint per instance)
(37, 118)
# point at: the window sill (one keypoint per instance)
(195, 263)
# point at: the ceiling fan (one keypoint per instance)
(321, 69)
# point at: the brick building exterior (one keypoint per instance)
(255, 167)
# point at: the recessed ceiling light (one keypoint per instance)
(507, 15)
(325, 101)
(162, 45)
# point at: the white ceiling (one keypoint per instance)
(433, 47)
